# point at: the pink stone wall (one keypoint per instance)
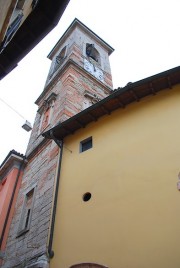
(6, 190)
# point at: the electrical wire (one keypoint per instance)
(12, 109)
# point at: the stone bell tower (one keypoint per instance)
(79, 76)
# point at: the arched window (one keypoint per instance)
(92, 52)
(58, 62)
(88, 265)
(60, 58)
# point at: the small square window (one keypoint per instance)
(86, 144)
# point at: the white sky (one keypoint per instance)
(144, 34)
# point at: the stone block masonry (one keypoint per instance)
(40, 172)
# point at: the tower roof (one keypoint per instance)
(73, 25)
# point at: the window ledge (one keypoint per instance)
(23, 232)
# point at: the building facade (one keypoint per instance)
(79, 76)
(100, 188)
(118, 200)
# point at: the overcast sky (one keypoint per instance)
(144, 34)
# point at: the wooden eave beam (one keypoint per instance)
(105, 110)
(92, 117)
(135, 96)
(80, 123)
(152, 89)
(121, 104)
(169, 82)
(68, 130)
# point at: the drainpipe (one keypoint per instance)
(11, 202)
(60, 145)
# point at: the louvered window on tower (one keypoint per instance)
(26, 213)
(59, 60)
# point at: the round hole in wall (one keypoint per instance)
(86, 197)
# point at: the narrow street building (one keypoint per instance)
(100, 186)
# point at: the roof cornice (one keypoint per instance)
(120, 98)
(61, 70)
(11, 159)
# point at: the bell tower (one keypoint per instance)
(83, 47)
(79, 76)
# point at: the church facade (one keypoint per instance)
(99, 188)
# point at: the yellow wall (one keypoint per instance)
(133, 217)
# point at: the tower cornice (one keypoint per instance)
(61, 70)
